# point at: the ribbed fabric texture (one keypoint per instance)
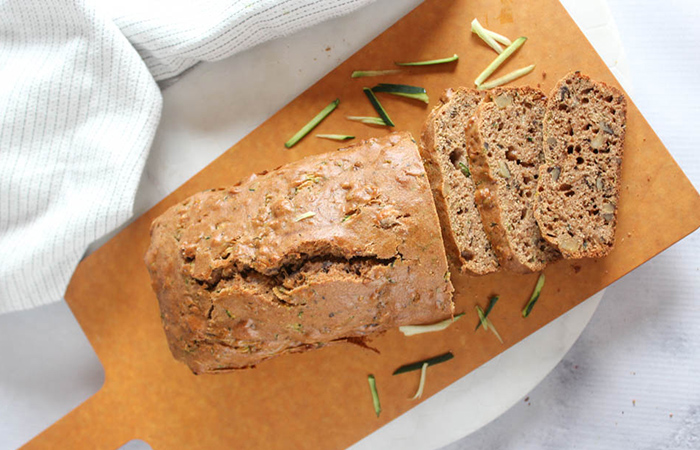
(79, 106)
(174, 35)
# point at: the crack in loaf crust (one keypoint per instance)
(579, 185)
(330, 248)
(443, 150)
(504, 142)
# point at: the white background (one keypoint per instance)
(642, 345)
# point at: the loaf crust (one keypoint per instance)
(443, 150)
(579, 184)
(331, 248)
(504, 143)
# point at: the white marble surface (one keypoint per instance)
(642, 344)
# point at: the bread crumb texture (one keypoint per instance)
(579, 183)
(504, 141)
(443, 148)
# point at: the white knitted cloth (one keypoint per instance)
(79, 106)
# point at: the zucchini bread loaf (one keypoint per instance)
(327, 249)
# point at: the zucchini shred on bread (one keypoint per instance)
(331, 248)
(445, 158)
(504, 144)
(579, 184)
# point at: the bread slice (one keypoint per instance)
(579, 185)
(445, 160)
(504, 143)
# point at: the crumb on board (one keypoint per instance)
(544, 74)
(576, 268)
(634, 402)
(328, 49)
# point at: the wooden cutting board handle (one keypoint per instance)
(102, 411)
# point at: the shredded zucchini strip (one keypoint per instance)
(430, 361)
(431, 62)
(498, 37)
(486, 322)
(403, 90)
(499, 60)
(482, 317)
(535, 296)
(306, 215)
(492, 303)
(312, 123)
(367, 120)
(514, 75)
(373, 73)
(374, 101)
(485, 36)
(375, 395)
(421, 384)
(411, 330)
(335, 137)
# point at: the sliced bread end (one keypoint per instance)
(579, 184)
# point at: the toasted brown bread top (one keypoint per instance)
(579, 185)
(444, 155)
(504, 141)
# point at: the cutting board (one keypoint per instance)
(321, 399)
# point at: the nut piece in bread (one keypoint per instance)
(331, 248)
(579, 184)
(445, 158)
(504, 143)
